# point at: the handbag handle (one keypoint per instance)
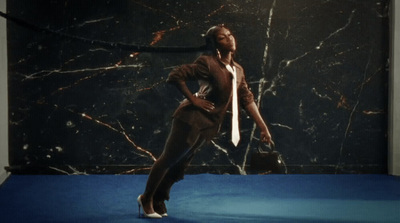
(271, 146)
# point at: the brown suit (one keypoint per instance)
(193, 126)
(215, 83)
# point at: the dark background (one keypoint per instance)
(318, 68)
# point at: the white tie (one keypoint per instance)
(235, 109)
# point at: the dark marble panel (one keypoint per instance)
(318, 69)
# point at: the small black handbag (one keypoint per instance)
(267, 161)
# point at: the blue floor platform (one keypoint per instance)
(204, 198)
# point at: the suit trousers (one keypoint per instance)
(180, 147)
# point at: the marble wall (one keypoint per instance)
(82, 100)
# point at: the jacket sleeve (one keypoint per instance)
(246, 96)
(199, 70)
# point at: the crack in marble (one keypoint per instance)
(74, 170)
(143, 152)
(84, 23)
(225, 151)
(157, 37)
(267, 33)
(216, 11)
(313, 90)
(349, 20)
(379, 112)
(122, 132)
(133, 171)
(285, 63)
(76, 83)
(151, 87)
(281, 125)
(350, 119)
(158, 10)
(46, 73)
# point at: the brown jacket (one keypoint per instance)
(215, 85)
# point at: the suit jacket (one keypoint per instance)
(215, 85)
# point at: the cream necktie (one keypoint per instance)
(235, 109)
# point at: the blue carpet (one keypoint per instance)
(204, 198)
